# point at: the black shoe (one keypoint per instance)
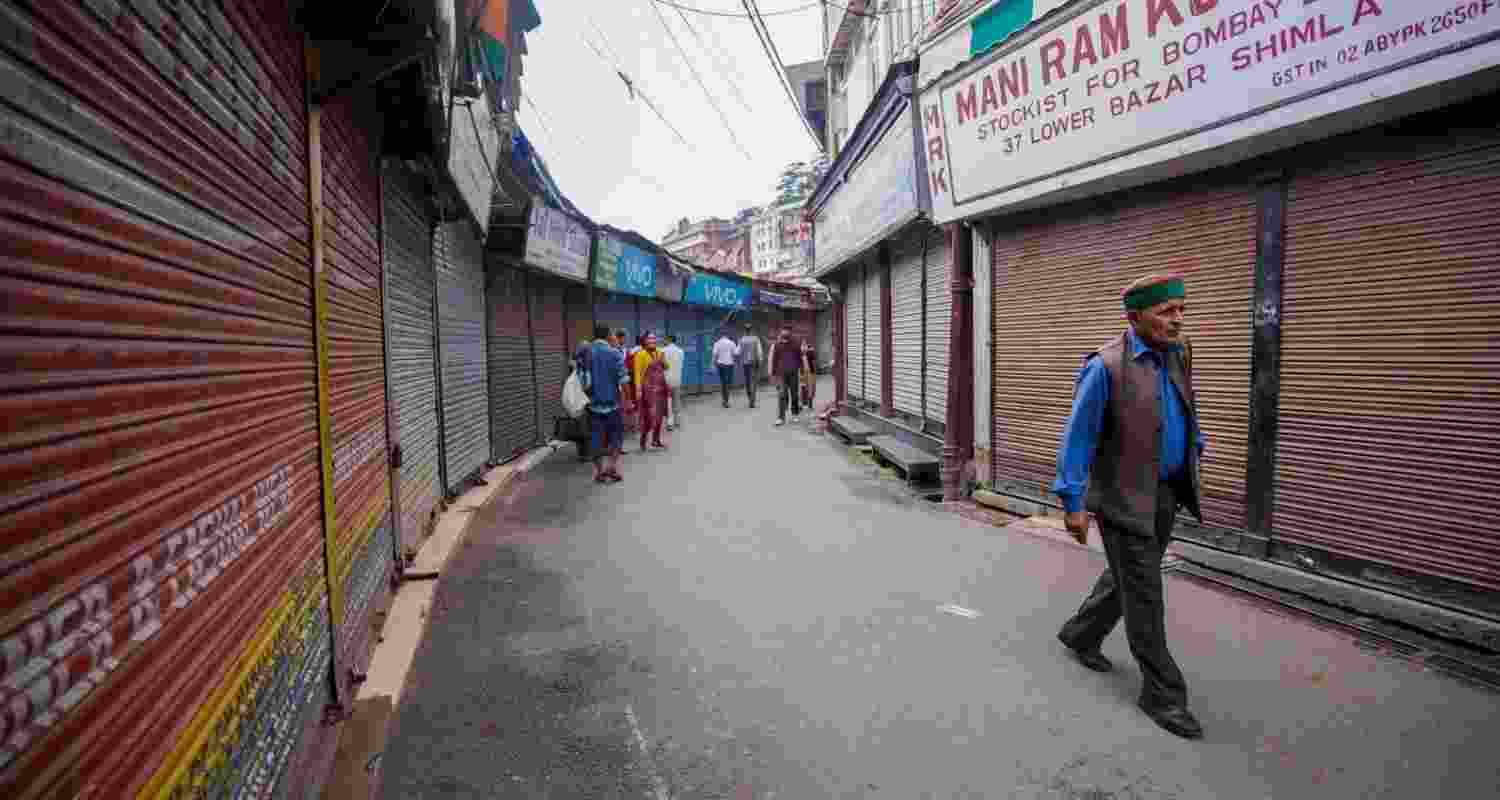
(1093, 659)
(1176, 720)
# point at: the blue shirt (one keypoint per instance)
(606, 375)
(1080, 437)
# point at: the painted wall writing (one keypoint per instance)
(355, 451)
(1119, 76)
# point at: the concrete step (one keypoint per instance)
(851, 429)
(911, 460)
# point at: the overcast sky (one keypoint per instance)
(613, 158)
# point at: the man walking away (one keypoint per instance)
(725, 353)
(751, 356)
(786, 361)
(649, 368)
(675, 358)
(606, 417)
(1130, 453)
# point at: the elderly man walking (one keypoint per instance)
(1130, 453)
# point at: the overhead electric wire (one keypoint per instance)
(636, 91)
(769, 46)
(714, 54)
(542, 118)
(729, 129)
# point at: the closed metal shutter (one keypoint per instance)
(906, 324)
(618, 312)
(164, 602)
(711, 322)
(1390, 379)
(513, 396)
(854, 332)
(653, 317)
(579, 314)
(356, 379)
(461, 353)
(939, 324)
(686, 323)
(411, 333)
(1057, 281)
(875, 335)
(825, 325)
(553, 355)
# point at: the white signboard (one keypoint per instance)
(879, 195)
(1155, 79)
(557, 243)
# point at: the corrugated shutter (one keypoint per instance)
(461, 352)
(825, 325)
(164, 603)
(411, 331)
(906, 324)
(1390, 372)
(579, 314)
(1057, 283)
(854, 332)
(875, 335)
(513, 396)
(553, 355)
(710, 322)
(939, 324)
(356, 378)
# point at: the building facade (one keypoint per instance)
(861, 40)
(697, 241)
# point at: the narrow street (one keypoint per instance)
(757, 614)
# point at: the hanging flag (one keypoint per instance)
(494, 32)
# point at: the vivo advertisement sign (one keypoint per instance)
(712, 290)
(624, 268)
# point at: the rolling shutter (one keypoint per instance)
(411, 331)
(939, 324)
(854, 332)
(710, 321)
(553, 356)
(356, 382)
(875, 335)
(461, 353)
(1057, 282)
(1390, 378)
(906, 325)
(618, 312)
(164, 603)
(579, 314)
(513, 409)
(825, 324)
(686, 323)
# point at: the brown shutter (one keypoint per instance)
(163, 606)
(1057, 282)
(549, 332)
(1390, 383)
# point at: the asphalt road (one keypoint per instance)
(756, 614)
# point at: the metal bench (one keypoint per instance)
(910, 460)
(851, 429)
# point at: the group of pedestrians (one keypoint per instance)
(634, 389)
(791, 364)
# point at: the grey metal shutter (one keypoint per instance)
(854, 332)
(875, 334)
(825, 326)
(513, 417)
(906, 324)
(939, 324)
(411, 350)
(461, 352)
(549, 332)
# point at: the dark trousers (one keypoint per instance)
(1132, 587)
(752, 372)
(726, 380)
(787, 393)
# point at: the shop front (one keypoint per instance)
(1322, 192)
(558, 246)
(721, 301)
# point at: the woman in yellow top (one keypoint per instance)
(648, 368)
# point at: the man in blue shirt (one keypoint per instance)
(607, 374)
(1129, 454)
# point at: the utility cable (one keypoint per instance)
(636, 91)
(544, 119)
(715, 54)
(729, 129)
(769, 47)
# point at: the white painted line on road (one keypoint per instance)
(640, 742)
(958, 611)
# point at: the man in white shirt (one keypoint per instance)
(674, 356)
(725, 353)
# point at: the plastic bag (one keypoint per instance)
(574, 399)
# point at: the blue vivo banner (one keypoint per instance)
(637, 272)
(711, 290)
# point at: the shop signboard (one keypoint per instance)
(878, 196)
(1113, 88)
(705, 289)
(557, 242)
(782, 299)
(624, 268)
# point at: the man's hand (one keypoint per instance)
(1077, 523)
